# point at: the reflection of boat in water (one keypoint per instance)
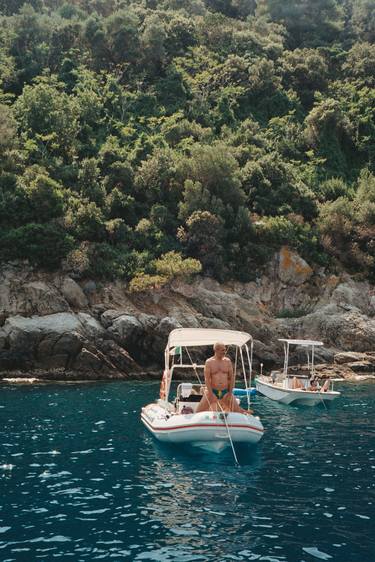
(177, 421)
(293, 388)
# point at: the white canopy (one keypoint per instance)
(191, 337)
(302, 342)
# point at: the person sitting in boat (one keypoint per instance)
(314, 385)
(297, 384)
(325, 386)
(219, 378)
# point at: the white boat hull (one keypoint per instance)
(207, 430)
(294, 396)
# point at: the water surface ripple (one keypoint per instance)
(81, 479)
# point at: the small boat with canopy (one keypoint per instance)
(297, 385)
(175, 419)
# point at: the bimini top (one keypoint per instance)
(191, 337)
(302, 342)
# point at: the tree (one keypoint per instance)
(274, 188)
(89, 184)
(43, 245)
(203, 238)
(363, 20)
(155, 180)
(29, 45)
(85, 220)
(152, 42)
(216, 171)
(8, 130)
(44, 195)
(360, 63)
(122, 36)
(306, 71)
(309, 23)
(47, 117)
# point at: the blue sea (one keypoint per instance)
(81, 479)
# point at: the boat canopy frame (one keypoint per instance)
(309, 344)
(185, 338)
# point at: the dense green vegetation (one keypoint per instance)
(139, 136)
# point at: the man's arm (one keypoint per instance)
(231, 380)
(207, 378)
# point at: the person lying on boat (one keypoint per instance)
(219, 378)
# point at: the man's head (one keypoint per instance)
(220, 349)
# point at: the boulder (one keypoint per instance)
(47, 342)
(118, 356)
(362, 366)
(352, 295)
(352, 356)
(125, 329)
(293, 270)
(93, 363)
(73, 293)
(338, 328)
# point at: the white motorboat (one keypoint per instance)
(294, 387)
(176, 421)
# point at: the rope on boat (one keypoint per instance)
(194, 366)
(229, 435)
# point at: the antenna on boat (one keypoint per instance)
(261, 369)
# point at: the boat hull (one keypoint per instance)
(294, 396)
(207, 430)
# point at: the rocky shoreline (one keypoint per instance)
(54, 327)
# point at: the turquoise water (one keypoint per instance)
(81, 479)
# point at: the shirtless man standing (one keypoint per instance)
(219, 379)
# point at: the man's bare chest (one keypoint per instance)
(219, 367)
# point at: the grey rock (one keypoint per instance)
(351, 357)
(89, 287)
(292, 270)
(362, 366)
(73, 293)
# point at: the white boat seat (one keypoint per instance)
(186, 389)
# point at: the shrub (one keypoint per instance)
(43, 245)
(292, 312)
(144, 282)
(173, 265)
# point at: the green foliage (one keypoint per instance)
(214, 172)
(277, 231)
(43, 195)
(309, 23)
(7, 129)
(172, 264)
(168, 267)
(347, 227)
(293, 312)
(148, 139)
(43, 245)
(203, 237)
(145, 282)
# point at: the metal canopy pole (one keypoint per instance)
(250, 362)
(245, 378)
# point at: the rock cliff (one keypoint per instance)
(51, 326)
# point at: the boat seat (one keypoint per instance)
(188, 392)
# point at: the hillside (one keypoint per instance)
(143, 140)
